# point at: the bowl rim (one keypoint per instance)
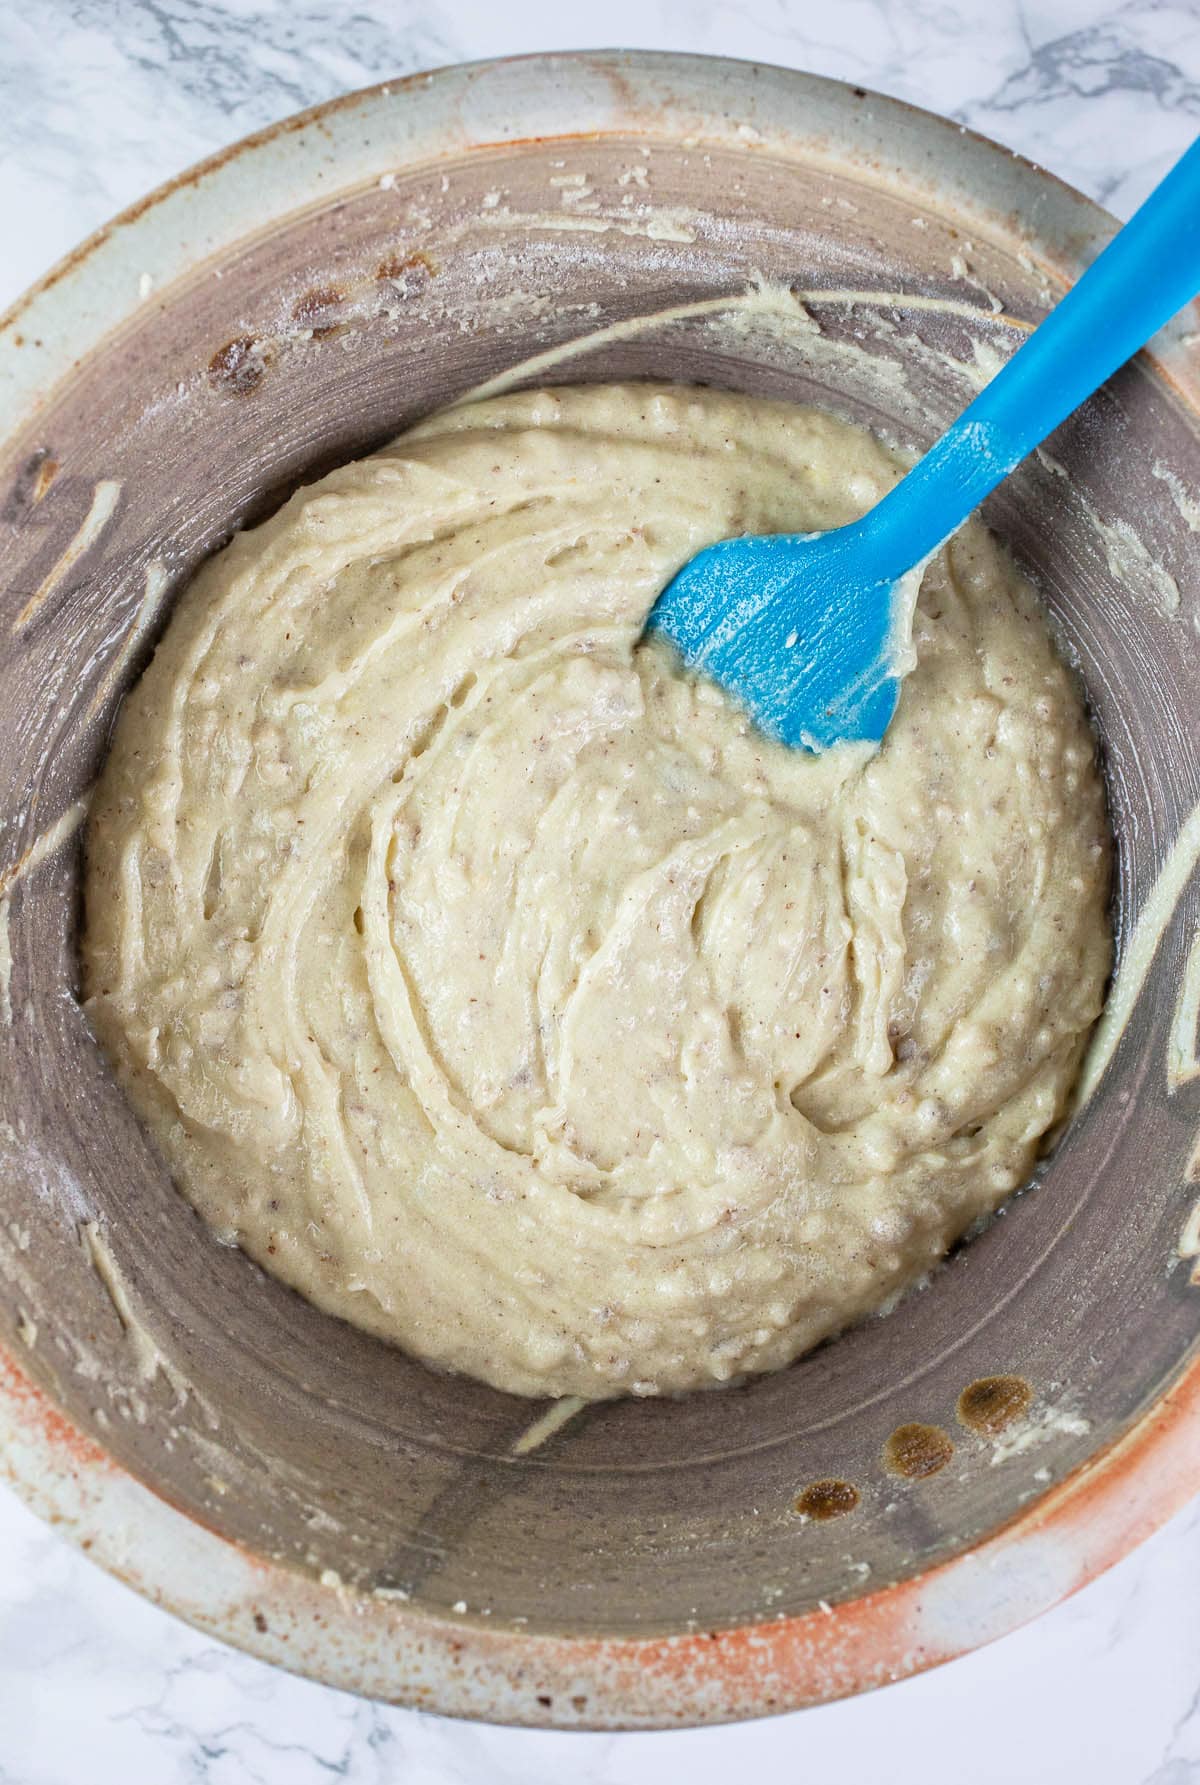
(379, 1646)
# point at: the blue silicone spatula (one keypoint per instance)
(809, 630)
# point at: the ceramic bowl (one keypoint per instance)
(285, 1481)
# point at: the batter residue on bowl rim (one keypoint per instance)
(498, 986)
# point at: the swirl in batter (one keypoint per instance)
(502, 989)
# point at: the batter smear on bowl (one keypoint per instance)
(501, 988)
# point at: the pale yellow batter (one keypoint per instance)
(503, 990)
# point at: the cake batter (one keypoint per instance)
(496, 984)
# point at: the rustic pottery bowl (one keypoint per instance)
(296, 1487)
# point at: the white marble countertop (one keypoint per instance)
(99, 101)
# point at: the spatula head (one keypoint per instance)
(806, 631)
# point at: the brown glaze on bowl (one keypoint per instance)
(287, 1481)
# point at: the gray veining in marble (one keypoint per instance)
(102, 99)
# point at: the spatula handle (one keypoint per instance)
(1147, 272)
